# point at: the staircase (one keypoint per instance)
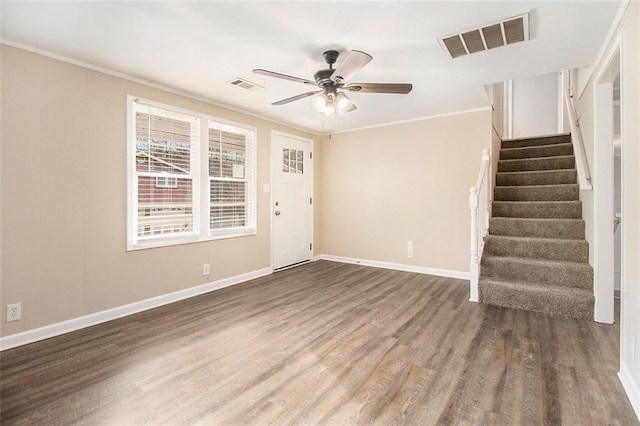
(535, 256)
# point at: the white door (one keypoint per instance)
(291, 199)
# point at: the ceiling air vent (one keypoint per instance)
(245, 84)
(508, 31)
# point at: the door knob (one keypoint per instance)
(277, 213)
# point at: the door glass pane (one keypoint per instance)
(285, 160)
(292, 161)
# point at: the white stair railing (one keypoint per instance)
(582, 165)
(480, 212)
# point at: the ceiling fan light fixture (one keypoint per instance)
(343, 103)
(319, 103)
(330, 105)
(329, 110)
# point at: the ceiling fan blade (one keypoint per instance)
(298, 97)
(398, 88)
(353, 63)
(283, 76)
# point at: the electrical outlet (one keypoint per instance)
(14, 312)
(410, 249)
(205, 269)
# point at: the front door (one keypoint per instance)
(291, 198)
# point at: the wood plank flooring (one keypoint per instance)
(323, 343)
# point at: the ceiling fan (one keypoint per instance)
(331, 99)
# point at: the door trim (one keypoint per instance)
(311, 143)
(603, 205)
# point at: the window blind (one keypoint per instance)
(167, 151)
(231, 178)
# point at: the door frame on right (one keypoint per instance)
(603, 203)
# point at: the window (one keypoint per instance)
(191, 177)
(227, 180)
(166, 182)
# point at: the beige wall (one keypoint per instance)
(384, 186)
(64, 197)
(629, 34)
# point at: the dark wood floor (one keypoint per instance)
(323, 343)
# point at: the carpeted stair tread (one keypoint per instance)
(571, 250)
(538, 151)
(537, 177)
(537, 227)
(556, 272)
(566, 192)
(538, 297)
(548, 140)
(535, 256)
(538, 209)
(529, 164)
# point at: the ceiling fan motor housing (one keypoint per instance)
(323, 77)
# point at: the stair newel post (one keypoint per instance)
(474, 267)
(487, 191)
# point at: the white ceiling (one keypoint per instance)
(198, 47)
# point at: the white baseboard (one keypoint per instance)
(68, 326)
(631, 388)
(63, 327)
(397, 266)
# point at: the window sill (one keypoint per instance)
(169, 242)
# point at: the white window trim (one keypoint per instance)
(205, 233)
